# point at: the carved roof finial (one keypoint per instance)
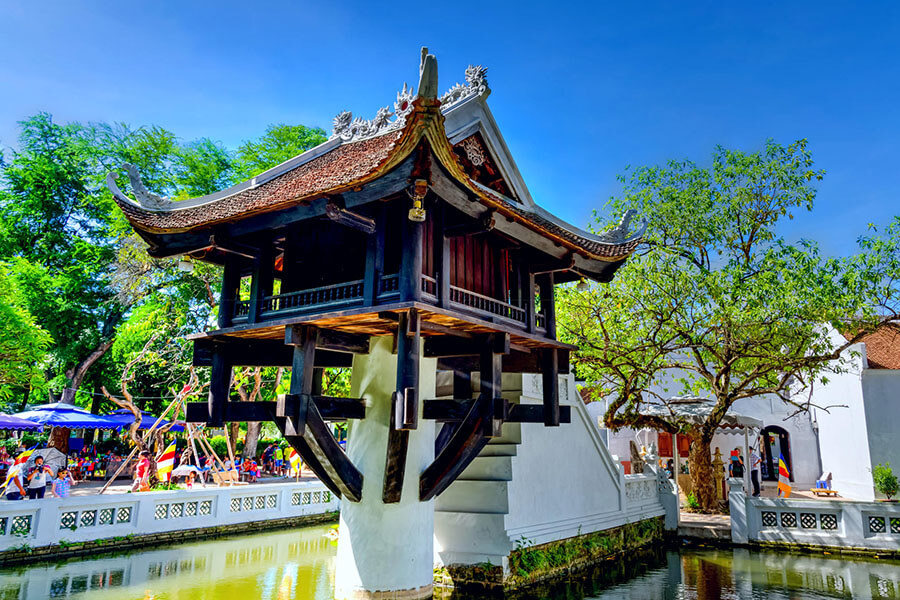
(144, 197)
(428, 76)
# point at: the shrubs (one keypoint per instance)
(885, 480)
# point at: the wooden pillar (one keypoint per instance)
(261, 285)
(491, 382)
(303, 339)
(231, 283)
(528, 283)
(404, 405)
(411, 261)
(462, 390)
(550, 377)
(374, 260)
(548, 304)
(442, 258)
(219, 386)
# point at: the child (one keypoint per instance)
(62, 483)
(190, 479)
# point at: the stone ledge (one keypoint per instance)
(529, 565)
(25, 554)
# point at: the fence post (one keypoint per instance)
(738, 507)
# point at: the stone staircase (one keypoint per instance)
(471, 512)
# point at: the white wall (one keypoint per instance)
(843, 431)
(881, 393)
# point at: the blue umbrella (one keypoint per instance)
(59, 414)
(17, 424)
(124, 418)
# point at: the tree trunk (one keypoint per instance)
(250, 442)
(700, 464)
(59, 439)
(234, 432)
(76, 374)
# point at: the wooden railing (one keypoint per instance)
(429, 286)
(388, 284)
(326, 295)
(487, 304)
(241, 308)
(540, 321)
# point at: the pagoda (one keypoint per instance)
(408, 242)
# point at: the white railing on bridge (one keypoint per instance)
(85, 518)
(828, 522)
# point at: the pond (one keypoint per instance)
(298, 564)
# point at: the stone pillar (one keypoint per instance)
(386, 550)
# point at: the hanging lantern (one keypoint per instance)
(185, 264)
(417, 212)
(582, 285)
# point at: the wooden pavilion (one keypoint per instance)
(415, 224)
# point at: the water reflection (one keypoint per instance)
(278, 566)
(298, 564)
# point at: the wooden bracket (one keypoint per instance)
(336, 211)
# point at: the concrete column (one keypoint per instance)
(386, 550)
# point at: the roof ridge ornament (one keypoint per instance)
(145, 198)
(476, 84)
(349, 129)
(620, 234)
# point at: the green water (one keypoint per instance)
(299, 564)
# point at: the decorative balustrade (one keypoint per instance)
(429, 286)
(487, 304)
(389, 285)
(85, 518)
(326, 295)
(832, 522)
(540, 321)
(241, 308)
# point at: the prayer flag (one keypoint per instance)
(17, 466)
(784, 478)
(294, 460)
(166, 463)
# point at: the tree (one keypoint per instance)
(23, 343)
(720, 305)
(278, 144)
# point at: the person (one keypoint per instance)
(268, 458)
(142, 473)
(37, 479)
(755, 463)
(279, 460)
(14, 489)
(670, 468)
(62, 483)
(190, 479)
(4, 456)
(736, 468)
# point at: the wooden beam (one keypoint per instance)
(514, 362)
(455, 411)
(336, 211)
(483, 224)
(329, 339)
(331, 409)
(550, 376)
(410, 276)
(230, 246)
(242, 352)
(219, 385)
(374, 258)
(563, 264)
(460, 451)
(441, 346)
(462, 391)
(491, 382)
(404, 407)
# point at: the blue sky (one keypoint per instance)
(579, 90)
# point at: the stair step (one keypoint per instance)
(498, 450)
(488, 468)
(486, 497)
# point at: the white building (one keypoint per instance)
(853, 428)
(860, 429)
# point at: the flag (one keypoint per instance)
(294, 460)
(166, 463)
(17, 466)
(784, 478)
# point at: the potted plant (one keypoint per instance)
(885, 481)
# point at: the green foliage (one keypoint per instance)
(692, 501)
(715, 303)
(276, 145)
(885, 480)
(165, 485)
(23, 343)
(220, 446)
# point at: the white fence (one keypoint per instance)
(86, 518)
(828, 522)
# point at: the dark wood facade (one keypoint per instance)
(425, 244)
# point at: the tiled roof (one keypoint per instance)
(336, 169)
(882, 349)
